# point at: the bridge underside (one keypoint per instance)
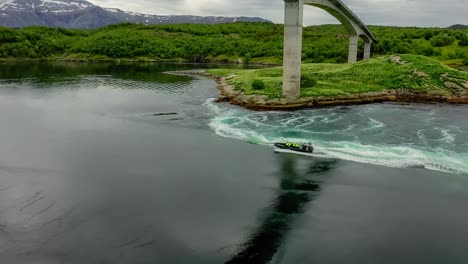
(293, 20)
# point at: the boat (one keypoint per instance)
(298, 147)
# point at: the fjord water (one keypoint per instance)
(121, 163)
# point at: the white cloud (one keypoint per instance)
(373, 12)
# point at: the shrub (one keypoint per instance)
(428, 35)
(247, 58)
(258, 85)
(463, 41)
(451, 55)
(442, 40)
(460, 54)
(425, 50)
(307, 81)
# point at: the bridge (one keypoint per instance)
(293, 20)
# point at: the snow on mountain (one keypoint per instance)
(83, 14)
(5, 3)
(44, 5)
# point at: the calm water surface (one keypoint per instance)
(124, 164)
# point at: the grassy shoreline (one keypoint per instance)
(266, 63)
(406, 78)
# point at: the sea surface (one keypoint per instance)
(123, 163)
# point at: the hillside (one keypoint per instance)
(83, 14)
(231, 42)
(458, 26)
(408, 78)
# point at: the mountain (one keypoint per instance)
(458, 26)
(83, 14)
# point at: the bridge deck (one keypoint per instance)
(350, 14)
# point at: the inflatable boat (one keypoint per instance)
(299, 147)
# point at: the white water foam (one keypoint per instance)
(445, 135)
(375, 124)
(406, 156)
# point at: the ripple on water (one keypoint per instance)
(102, 82)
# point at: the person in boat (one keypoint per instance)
(308, 147)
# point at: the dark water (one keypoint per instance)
(88, 174)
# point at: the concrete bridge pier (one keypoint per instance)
(367, 50)
(353, 48)
(293, 17)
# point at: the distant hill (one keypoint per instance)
(83, 14)
(227, 42)
(458, 26)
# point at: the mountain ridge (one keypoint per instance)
(85, 15)
(458, 26)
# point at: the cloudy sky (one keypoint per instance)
(440, 13)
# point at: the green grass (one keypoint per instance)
(374, 75)
(452, 52)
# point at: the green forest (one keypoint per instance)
(231, 42)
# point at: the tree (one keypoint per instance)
(442, 40)
(463, 42)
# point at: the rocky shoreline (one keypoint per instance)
(263, 103)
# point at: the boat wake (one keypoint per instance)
(387, 135)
